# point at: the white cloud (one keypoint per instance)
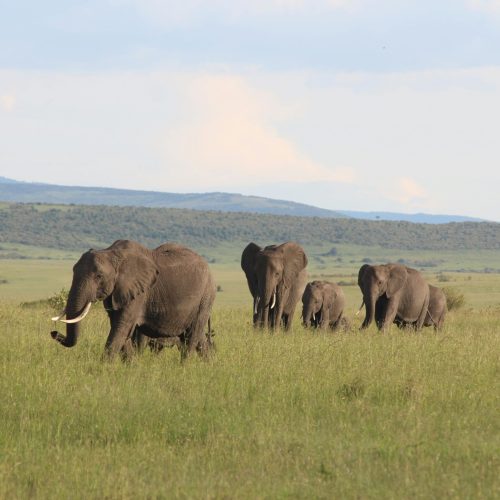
(409, 192)
(422, 141)
(7, 102)
(230, 140)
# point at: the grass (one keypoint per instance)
(305, 415)
(354, 415)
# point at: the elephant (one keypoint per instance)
(140, 341)
(276, 277)
(393, 291)
(436, 310)
(165, 294)
(323, 305)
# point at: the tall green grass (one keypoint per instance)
(301, 415)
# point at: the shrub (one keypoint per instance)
(441, 277)
(454, 299)
(58, 300)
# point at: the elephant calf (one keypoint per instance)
(323, 305)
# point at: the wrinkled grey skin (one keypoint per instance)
(436, 310)
(323, 305)
(166, 293)
(393, 290)
(279, 270)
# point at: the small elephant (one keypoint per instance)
(140, 341)
(276, 277)
(323, 305)
(393, 291)
(436, 310)
(165, 293)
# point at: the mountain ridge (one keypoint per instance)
(35, 192)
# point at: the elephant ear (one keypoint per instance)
(135, 275)
(397, 278)
(295, 260)
(248, 265)
(361, 274)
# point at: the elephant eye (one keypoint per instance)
(98, 276)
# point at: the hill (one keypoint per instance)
(81, 227)
(26, 192)
(418, 217)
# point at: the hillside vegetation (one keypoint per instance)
(75, 227)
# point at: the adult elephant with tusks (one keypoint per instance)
(165, 294)
(276, 277)
(393, 291)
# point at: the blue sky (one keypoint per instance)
(345, 104)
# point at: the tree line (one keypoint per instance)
(76, 227)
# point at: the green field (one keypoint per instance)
(304, 415)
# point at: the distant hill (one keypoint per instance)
(27, 192)
(419, 217)
(81, 227)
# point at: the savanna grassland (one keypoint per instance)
(300, 415)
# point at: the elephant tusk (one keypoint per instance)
(314, 317)
(360, 307)
(61, 315)
(255, 304)
(79, 318)
(274, 300)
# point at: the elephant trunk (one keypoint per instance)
(76, 308)
(266, 304)
(369, 302)
(307, 315)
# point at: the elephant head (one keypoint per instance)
(118, 274)
(377, 281)
(312, 303)
(271, 273)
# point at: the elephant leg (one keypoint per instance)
(380, 310)
(278, 315)
(196, 337)
(139, 340)
(128, 350)
(390, 314)
(117, 338)
(289, 319)
(324, 319)
(421, 319)
(335, 325)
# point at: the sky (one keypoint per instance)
(372, 105)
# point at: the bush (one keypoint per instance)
(58, 300)
(454, 299)
(442, 277)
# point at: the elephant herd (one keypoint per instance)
(392, 293)
(164, 297)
